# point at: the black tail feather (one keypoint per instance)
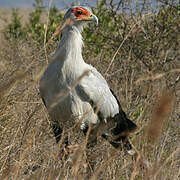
(119, 133)
(131, 126)
(124, 125)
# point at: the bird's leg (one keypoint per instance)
(61, 140)
(57, 130)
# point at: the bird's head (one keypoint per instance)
(80, 15)
(77, 16)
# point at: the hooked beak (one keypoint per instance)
(94, 19)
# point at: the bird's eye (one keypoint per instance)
(79, 12)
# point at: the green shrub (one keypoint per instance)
(15, 29)
(34, 28)
(151, 37)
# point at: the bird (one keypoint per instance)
(75, 92)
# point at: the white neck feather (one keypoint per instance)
(70, 46)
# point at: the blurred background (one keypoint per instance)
(66, 3)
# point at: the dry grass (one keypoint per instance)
(27, 146)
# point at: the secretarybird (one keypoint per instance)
(72, 97)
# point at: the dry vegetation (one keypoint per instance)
(147, 85)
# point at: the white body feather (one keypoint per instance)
(62, 73)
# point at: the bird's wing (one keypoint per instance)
(94, 89)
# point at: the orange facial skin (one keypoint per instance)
(81, 13)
